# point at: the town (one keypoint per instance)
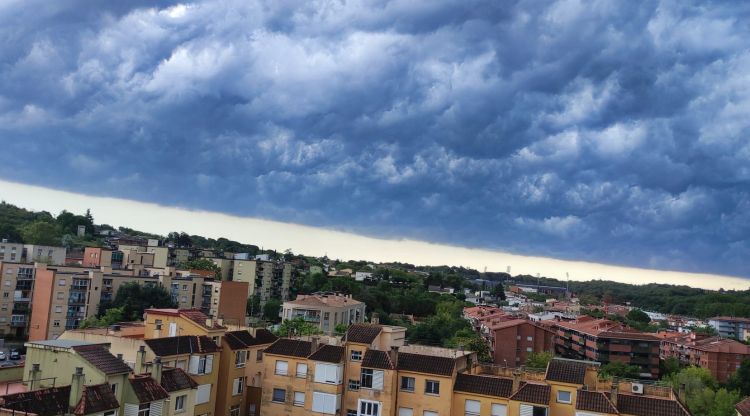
(120, 322)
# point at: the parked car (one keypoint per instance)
(15, 354)
(2, 356)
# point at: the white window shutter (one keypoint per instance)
(499, 409)
(526, 410)
(405, 411)
(320, 373)
(131, 409)
(317, 404)
(194, 362)
(472, 406)
(236, 386)
(377, 380)
(209, 364)
(282, 367)
(203, 395)
(339, 374)
(172, 329)
(156, 408)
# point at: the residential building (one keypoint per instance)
(11, 252)
(226, 300)
(44, 254)
(730, 327)
(325, 310)
(512, 341)
(743, 407)
(605, 341)
(97, 257)
(266, 279)
(166, 322)
(721, 356)
(158, 255)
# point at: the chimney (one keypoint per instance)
(375, 318)
(156, 370)
(119, 356)
(76, 387)
(140, 359)
(681, 394)
(516, 381)
(393, 355)
(157, 331)
(34, 375)
(209, 322)
(613, 392)
(314, 344)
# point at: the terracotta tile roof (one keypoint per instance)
(183, 344)
(377, 359)
(289, 348)
(324, 300)
(484, 385)
(743, 407)
(594, 401)
(719, 344)
(629, 404)
(100, 357)
(96, 399)
(328, 353)
(146, 389)
(430, 364)
(264, 336)
(238, 340)
(363, 333)
(200, 318)
(566, 371)
(45, 402)
(174, 379)
(533, 393)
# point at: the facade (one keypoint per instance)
(160, 323)
(730, 327)
(44, 254)
(604, 341)
(226, 300)
(512, 341)
(11, 252)
(721, 356)
(325, 310)
(96, 257)
(266, 279)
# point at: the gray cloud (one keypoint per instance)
(604, 131)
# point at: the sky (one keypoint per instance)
(610, 132)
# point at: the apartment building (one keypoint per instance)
(604, 341)
(370, 376)
(165, 322)
(157, 256)
(730, 327)
(11, 252)
(44, 254)
(721, 356)
(325, 310)
(226, 300)
(267, 279)
(512, 341)
(98, 257)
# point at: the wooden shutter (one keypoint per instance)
(156, 408)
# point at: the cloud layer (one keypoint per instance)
(605, 131)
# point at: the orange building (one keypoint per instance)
(721, 356)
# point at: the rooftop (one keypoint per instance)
(60, 343)
(100, 357)
(363, 333)
(183, 344)
(484, 385)
(324, 300)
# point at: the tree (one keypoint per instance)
(253, 305)
(41, 232)
(271, 310)
(340, 329)
(637, 315)
(620, 369)
(297, 327)
(669, 366)
(10, 233)
(538, 360)
(203, 264)
(135, 298)
(111, 316)
(740, 380)
(498, 291)
(468, 339)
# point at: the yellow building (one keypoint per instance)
(161, 323)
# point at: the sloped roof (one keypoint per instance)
(533, 393)
(146, 389)
(743, 407)
(363, 333)
(100, 357)
(264, 336)
(328, 353)
(594, 401)
(484, 385)
(96, 399)
(429, 364)
(567, 371)
(174, 379)
(377, 359)
(45, 402)
(183, 344)
(290, 348)
(238, 340)
(629, 404)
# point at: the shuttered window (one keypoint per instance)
(327, 373)
(405, 411)
(324, 403)
(238, 386)
(131, 409)
(499, 409)
(204, 394)
(471, 407)
(156, 408)
(282, 368)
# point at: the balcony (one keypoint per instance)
(18, 324)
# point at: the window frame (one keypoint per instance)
(435, 391)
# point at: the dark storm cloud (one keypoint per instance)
(605, 131)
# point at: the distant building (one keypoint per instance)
(325, 310)
(11, 252)
(514, 340)
(721, 356)
(44, 254)
(730, 327)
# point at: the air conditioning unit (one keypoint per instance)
(636, 388)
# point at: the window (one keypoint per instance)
(58, 309)
(259, 356)
(356, 355)
(351, 412)
(564, 397)
(109, 413)
(299, 398)
(60, 296)
(301, 370)
(61, 282)
(354, 385)
(429, 413)
(405, 411)
(114, 388)
(499, 409)
(368, 408)
(407, 384)
(328, 373)
(471, 407)
(529, 349)
(201, 364)
(55, 324)
(179, 403)
(432, 387)
(279, 396)
(144, 409)
(371, 379)
(203, 395)
(324, 403)
(5, 294)
(529, 338)
(282, 368)
(528, 410)
(234, 410)
(238, 385)
(239, 358)
(184, 288)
